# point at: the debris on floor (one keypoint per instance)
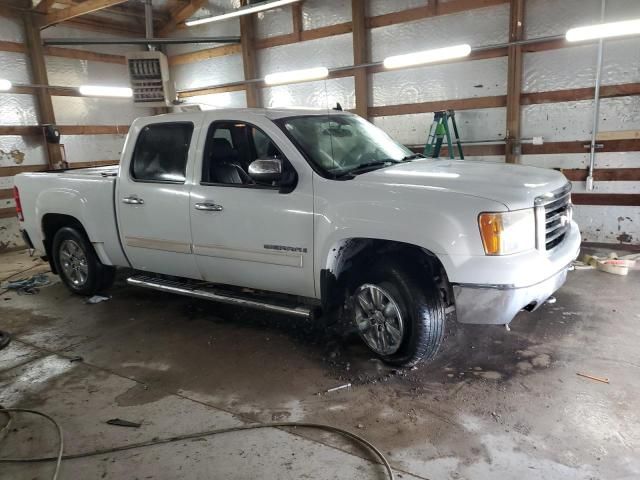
(118, 422)
(592, 377)
(609, 264)
(96, 299)
(28, 286)
(341, 387)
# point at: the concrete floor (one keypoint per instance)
(496, 404)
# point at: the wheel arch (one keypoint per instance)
(50, 224)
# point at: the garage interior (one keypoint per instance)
(554, 395)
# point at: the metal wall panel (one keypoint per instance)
(96, 111)
(70, 72)
(557, 122)
(11, 29)
(213, 71)
(608, 224)
(608, 187)
(575, 67)
(17, 150)
(320, 94)
(477, 27)
(91, 148)
(14, 67)
(219, 100)
(324, 52)
(581, 160)
(440, 82)
(555, 17)
(18, 110)
(271, 23)
(321, 13)
(485, 124)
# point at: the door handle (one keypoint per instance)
(133, 200)
(208, 207)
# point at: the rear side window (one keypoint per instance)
(161, 153)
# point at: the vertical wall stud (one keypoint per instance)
(360, 56)
(296, 14)
(40, 77)
(247, 40)
(514, 81)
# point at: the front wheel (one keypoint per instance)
(77, 263)
(399, 313)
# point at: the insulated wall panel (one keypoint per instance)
(271, 23)
(11, 29)
(485, 124)
(14, 67)
(324, 52)
(322, 13)
(17, 150)
(70, 72)
(557, 122)
(320, 94)
(92, 148)
(18, 109)
(575, 67)
(555, 17)
(96, 111)
(10, 235)
(213, 71)
(440, 82)
(380, 7)
(61, 31)
(219, 100)
(478, 27)
(581, 160)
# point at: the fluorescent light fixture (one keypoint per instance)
(604, 30)
(296, 76)
(240, 11)
(427, 56)
(5, 85)
(98, 91)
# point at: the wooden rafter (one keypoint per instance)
(179, 15)
(78, 10)
(44, 6)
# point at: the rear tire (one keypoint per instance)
(399, 312)
(77, 263)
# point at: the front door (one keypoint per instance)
(245, 233)
(152, 198)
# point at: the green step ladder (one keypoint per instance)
(437, 133)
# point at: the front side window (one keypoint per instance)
(230, 149)
(161, 153)
(343, 144)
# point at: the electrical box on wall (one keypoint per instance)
(150, 80)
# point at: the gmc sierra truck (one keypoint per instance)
(303, 212)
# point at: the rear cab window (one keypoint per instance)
(161, 153)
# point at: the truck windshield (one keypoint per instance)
(344, 144)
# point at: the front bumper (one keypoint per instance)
(497, 304)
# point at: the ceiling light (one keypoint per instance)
(296, 76)
(427, 56)
(604, 30)
(240, 11)
(98, 91)
(5, 85)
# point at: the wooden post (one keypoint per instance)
(514, 82)
(46, 115)
(360, 56)
(247, 43)
(296, 17)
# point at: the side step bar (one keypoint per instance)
(207, 293)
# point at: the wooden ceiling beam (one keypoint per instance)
(179, 15)
(88, 6)
(45, 6)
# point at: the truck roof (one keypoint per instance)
(270, 113)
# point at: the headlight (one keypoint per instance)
(505, 233)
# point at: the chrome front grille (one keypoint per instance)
(553, 217)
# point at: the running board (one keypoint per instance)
(207, 293)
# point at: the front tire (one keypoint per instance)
(77, 263)
(399, 313)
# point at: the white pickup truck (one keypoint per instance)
(305, 211)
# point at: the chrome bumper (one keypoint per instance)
(499, 304)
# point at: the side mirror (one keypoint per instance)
(266, 170)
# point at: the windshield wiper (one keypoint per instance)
(413, 157)
(369, 166)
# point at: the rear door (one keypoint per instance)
(247, 234)
(152, 197)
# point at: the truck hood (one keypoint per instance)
(515, 186)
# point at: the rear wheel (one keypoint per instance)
(399, 313)
(77, 263)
